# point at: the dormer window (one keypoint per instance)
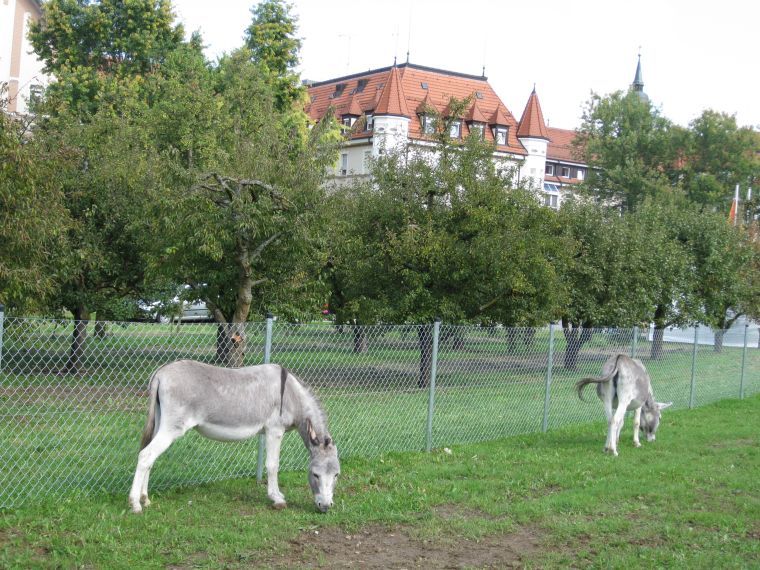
(500, 135)
(428, 124)
(455, 130)
(349, 120)
(370, 122)
(339, 88)
(477, 129)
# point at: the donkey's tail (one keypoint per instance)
(150, 424)
(581, 384)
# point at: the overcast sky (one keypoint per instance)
(694, 54)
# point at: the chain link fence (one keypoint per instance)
(73, 396)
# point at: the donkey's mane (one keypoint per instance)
(319, 422)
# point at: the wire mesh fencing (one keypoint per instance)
(73, 396)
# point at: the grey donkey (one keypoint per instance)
(625, 385)
(234, 404)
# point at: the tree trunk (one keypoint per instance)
(78, 338)
(718, 343)
(575, 337)
(360, 340)
(425, 339)
(230, 344)
(101, 329)
(657, 338)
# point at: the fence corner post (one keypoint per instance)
(692, 389)
(431, 393)
(267, 357)
(744, 360)
(635, 339)
(549, 365)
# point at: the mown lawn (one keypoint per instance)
(689, 500)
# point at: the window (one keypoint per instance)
(551, 200)
(349, 120)
(370, 124)
(580, 174)
(477, 129)
(500, 135)
(428, 124)
(550, 170)
(339, 88)
(343, 164)
(455, 130)
(564, 172)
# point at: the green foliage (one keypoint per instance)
(628, 147)
(240, 218)
(33, 222)
(441, 233)
(274, 47)
(717, 156)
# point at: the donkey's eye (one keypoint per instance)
(315, 475)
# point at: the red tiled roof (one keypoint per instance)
(439, 87)
(353, 107)
(474, 114)
(499, 118)
(426, 105)
(532, 122)
(393, 100)
(561, 145)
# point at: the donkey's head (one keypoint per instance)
(324, 467)
(650, 418)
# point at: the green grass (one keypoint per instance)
(689, 500)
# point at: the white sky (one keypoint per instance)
(694, 54)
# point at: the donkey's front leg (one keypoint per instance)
(636, 426)
(274, 439)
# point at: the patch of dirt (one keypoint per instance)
(376, 547)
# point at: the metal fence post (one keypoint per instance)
(262, 441)
(744, 360)
(431, 396)
(549, 366)
(693, 366)
(633, 342)
(2, 319)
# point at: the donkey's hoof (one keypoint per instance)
(136, 509)
(145, 501)
(636, 444)
(279, 506)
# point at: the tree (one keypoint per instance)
(441, 232)
(629, 147)
(274, 47)
(717, 156)
(97, 50)
(239, 222)
(608, 276)
(33, 222)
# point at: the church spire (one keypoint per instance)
(638, 82)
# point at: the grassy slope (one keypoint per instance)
(692, 499)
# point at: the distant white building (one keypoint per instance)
(393, 105)
(20, 69)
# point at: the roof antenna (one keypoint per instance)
(409, 33)
(394, 61)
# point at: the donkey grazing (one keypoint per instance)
(625, 385)
(234, 404)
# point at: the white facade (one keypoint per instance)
(535, 162)
(20, 69)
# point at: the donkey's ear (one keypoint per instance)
(312, 434)
(662, 406)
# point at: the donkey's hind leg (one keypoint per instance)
(145, 460)
(636, 426)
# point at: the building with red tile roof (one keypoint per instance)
(399, 104)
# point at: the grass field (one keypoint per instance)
(689, 500)
(71, 434)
